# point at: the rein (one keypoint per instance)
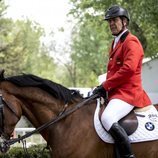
(7, 143)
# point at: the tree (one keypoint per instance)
(21, 49)
(88, 52)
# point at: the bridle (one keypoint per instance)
(5, 144)
(4, 136)
(2, 104)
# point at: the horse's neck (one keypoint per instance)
(39, 112)
(77, 124)
(37, 105)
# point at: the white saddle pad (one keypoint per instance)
(147, 126)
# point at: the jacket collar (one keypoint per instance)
(122, 39)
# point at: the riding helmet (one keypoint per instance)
(116, 11)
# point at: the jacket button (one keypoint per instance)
(110, 58)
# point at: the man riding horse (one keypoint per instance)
(123, 83)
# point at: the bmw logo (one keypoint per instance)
(149, 126)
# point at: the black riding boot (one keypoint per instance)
(121, 140)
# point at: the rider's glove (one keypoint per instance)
(100, 91)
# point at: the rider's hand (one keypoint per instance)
(100, 91)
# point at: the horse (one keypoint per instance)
(74, 136)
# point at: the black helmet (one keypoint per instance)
(116, 11)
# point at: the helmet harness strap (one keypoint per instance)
(123, 27)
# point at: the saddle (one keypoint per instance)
(129, 122)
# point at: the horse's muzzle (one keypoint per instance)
(4, 146)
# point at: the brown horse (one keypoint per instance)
(74, 136)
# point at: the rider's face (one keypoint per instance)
(115, 25)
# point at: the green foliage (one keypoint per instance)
(2, 8)
(21, 49)
(88, 52)
(33, 152)
(18, 41)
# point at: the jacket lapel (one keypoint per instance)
(116, 47)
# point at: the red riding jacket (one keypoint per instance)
(124, 72)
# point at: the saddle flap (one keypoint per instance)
(129, 122)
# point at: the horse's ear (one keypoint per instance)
(1, 74)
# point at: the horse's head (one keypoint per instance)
(10, 113)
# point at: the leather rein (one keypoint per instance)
(65, 113)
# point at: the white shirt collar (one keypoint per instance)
(117, 38)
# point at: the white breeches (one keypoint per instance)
(114, 111)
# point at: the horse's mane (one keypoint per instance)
(55, 89)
